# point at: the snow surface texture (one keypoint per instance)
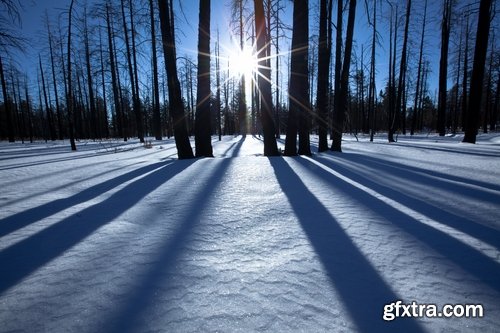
(119, 238)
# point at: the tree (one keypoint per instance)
(324, 52)
(298, 91)
(183, 145)
(443, 67)
(401, 108)
(156, 87)
(6, 103)
(419, 73)
(264, 82)
(69, 99)
(203, 139)
(371, 89)
(476, 84)
(340, 103)
(132, 68)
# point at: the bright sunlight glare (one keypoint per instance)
(243, 62)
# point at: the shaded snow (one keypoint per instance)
(119, 238)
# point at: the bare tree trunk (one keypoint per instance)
(264, 81)
(401, 109)
(52, 131)
(476, 84)
(338, 69)
(298, 91)
(58, 108)
(203, 138)
(114, 80)
(344, 81)
(69, 101)
(133, 81)
(6, 102)
(156, 86)
(217, 96)
(184, 149)
(464, 81)
(443, 67)
(419, 73)
(94, 132)
(371, 90)
(324, 52)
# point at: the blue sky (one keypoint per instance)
(187, 24)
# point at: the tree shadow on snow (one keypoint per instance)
(26, 256)
(362, 290)
(469, 259)
(129, 317)
(362, 168)
(35, 214)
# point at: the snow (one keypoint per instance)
(119, 238)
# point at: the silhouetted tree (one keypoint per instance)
(340, 103)
(203, 139)
(476, 84)
(184, 149)
(264, 82)
(298, 90)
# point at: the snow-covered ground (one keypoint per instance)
(120, 238)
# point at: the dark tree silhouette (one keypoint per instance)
(342, 94)
(476, 84)
(443, 67)
(298, 90)
(184, 149)
(264, 82)
(324, 52)
(203, 139)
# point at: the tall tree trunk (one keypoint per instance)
(114, 81)
(337, 74)
(264, 81)
(443, 67)
(371, 90)
(69, 101)
(94, 132)
(104, 95)
(277, 60)
(6, 102)
(156, 86)
(494, 114)
(217, 95)
(52, 130)
(183, 145)
(298, 91)
(323, 75)
(464, 81)
(58, 108)
(419, 73)
(133, 82)
(344, 81)
(476, 84)
(203, 138)
(242, 96)
(401, 109)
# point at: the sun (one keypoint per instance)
(243, 62)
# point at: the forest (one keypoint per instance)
(111, 69)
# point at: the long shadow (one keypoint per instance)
(363, 291)
(24, 257)
(383, 163)
(127, 318)
(60, 187)
(472, 228)
(477, 264)
(32, 215)
(451, 150)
